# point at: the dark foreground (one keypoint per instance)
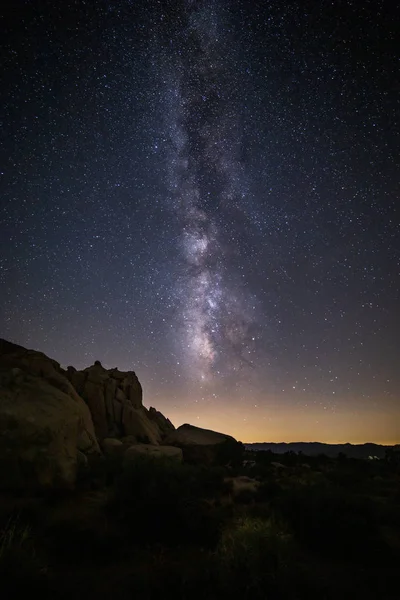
(312, 528)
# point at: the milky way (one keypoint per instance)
(216, 322)
(207, 192)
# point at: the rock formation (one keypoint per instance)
(115, 402)
(111, 446)
(51, 418)
(154, 451)
(204, 445)
(189, 435)
(43, 421)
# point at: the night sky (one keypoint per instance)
(207, 192)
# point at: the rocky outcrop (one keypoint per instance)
(189, 435)
(115, 401)
(51, 419)
(44, 424)
(154, 451)
(204, 445)
(165, 426)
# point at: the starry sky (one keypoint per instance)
(207, 192)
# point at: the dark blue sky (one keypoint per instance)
(207, 193)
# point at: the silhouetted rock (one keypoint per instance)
(204, 445)
(51, 418)
(109, 394)
(115, 401)
(191, 435)
(136, 422)
(44, 423)
(163, 423)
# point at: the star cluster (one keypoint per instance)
(207, 192)
(207, 187)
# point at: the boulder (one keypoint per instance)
(188, 435)
(16, 362)
(129, 440)
(155, 451)
(135, 421)
(204, 445)
(242, 484)
(111, 445)
(41, 429)
(278, 466)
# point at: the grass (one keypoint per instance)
(140, 528)
(21, 569)
(255, 558)
(163, 501)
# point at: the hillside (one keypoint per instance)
(315, 448)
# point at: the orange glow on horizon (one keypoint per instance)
(291, 424)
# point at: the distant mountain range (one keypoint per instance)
(315, 448)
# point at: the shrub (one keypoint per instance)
(101, 471)
(21, 570)
(268, 490)
(82, 534)
(163, 501)
(230, 452)
(332, 522)
(254, 559)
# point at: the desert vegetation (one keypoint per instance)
(308, 528)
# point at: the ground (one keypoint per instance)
(312, 528)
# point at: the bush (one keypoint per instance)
(21, 570)
(76, 537)
(163, 501)
(268, 490)
(332, 522)
(255, 559)
(101, 471)
(230, 452)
